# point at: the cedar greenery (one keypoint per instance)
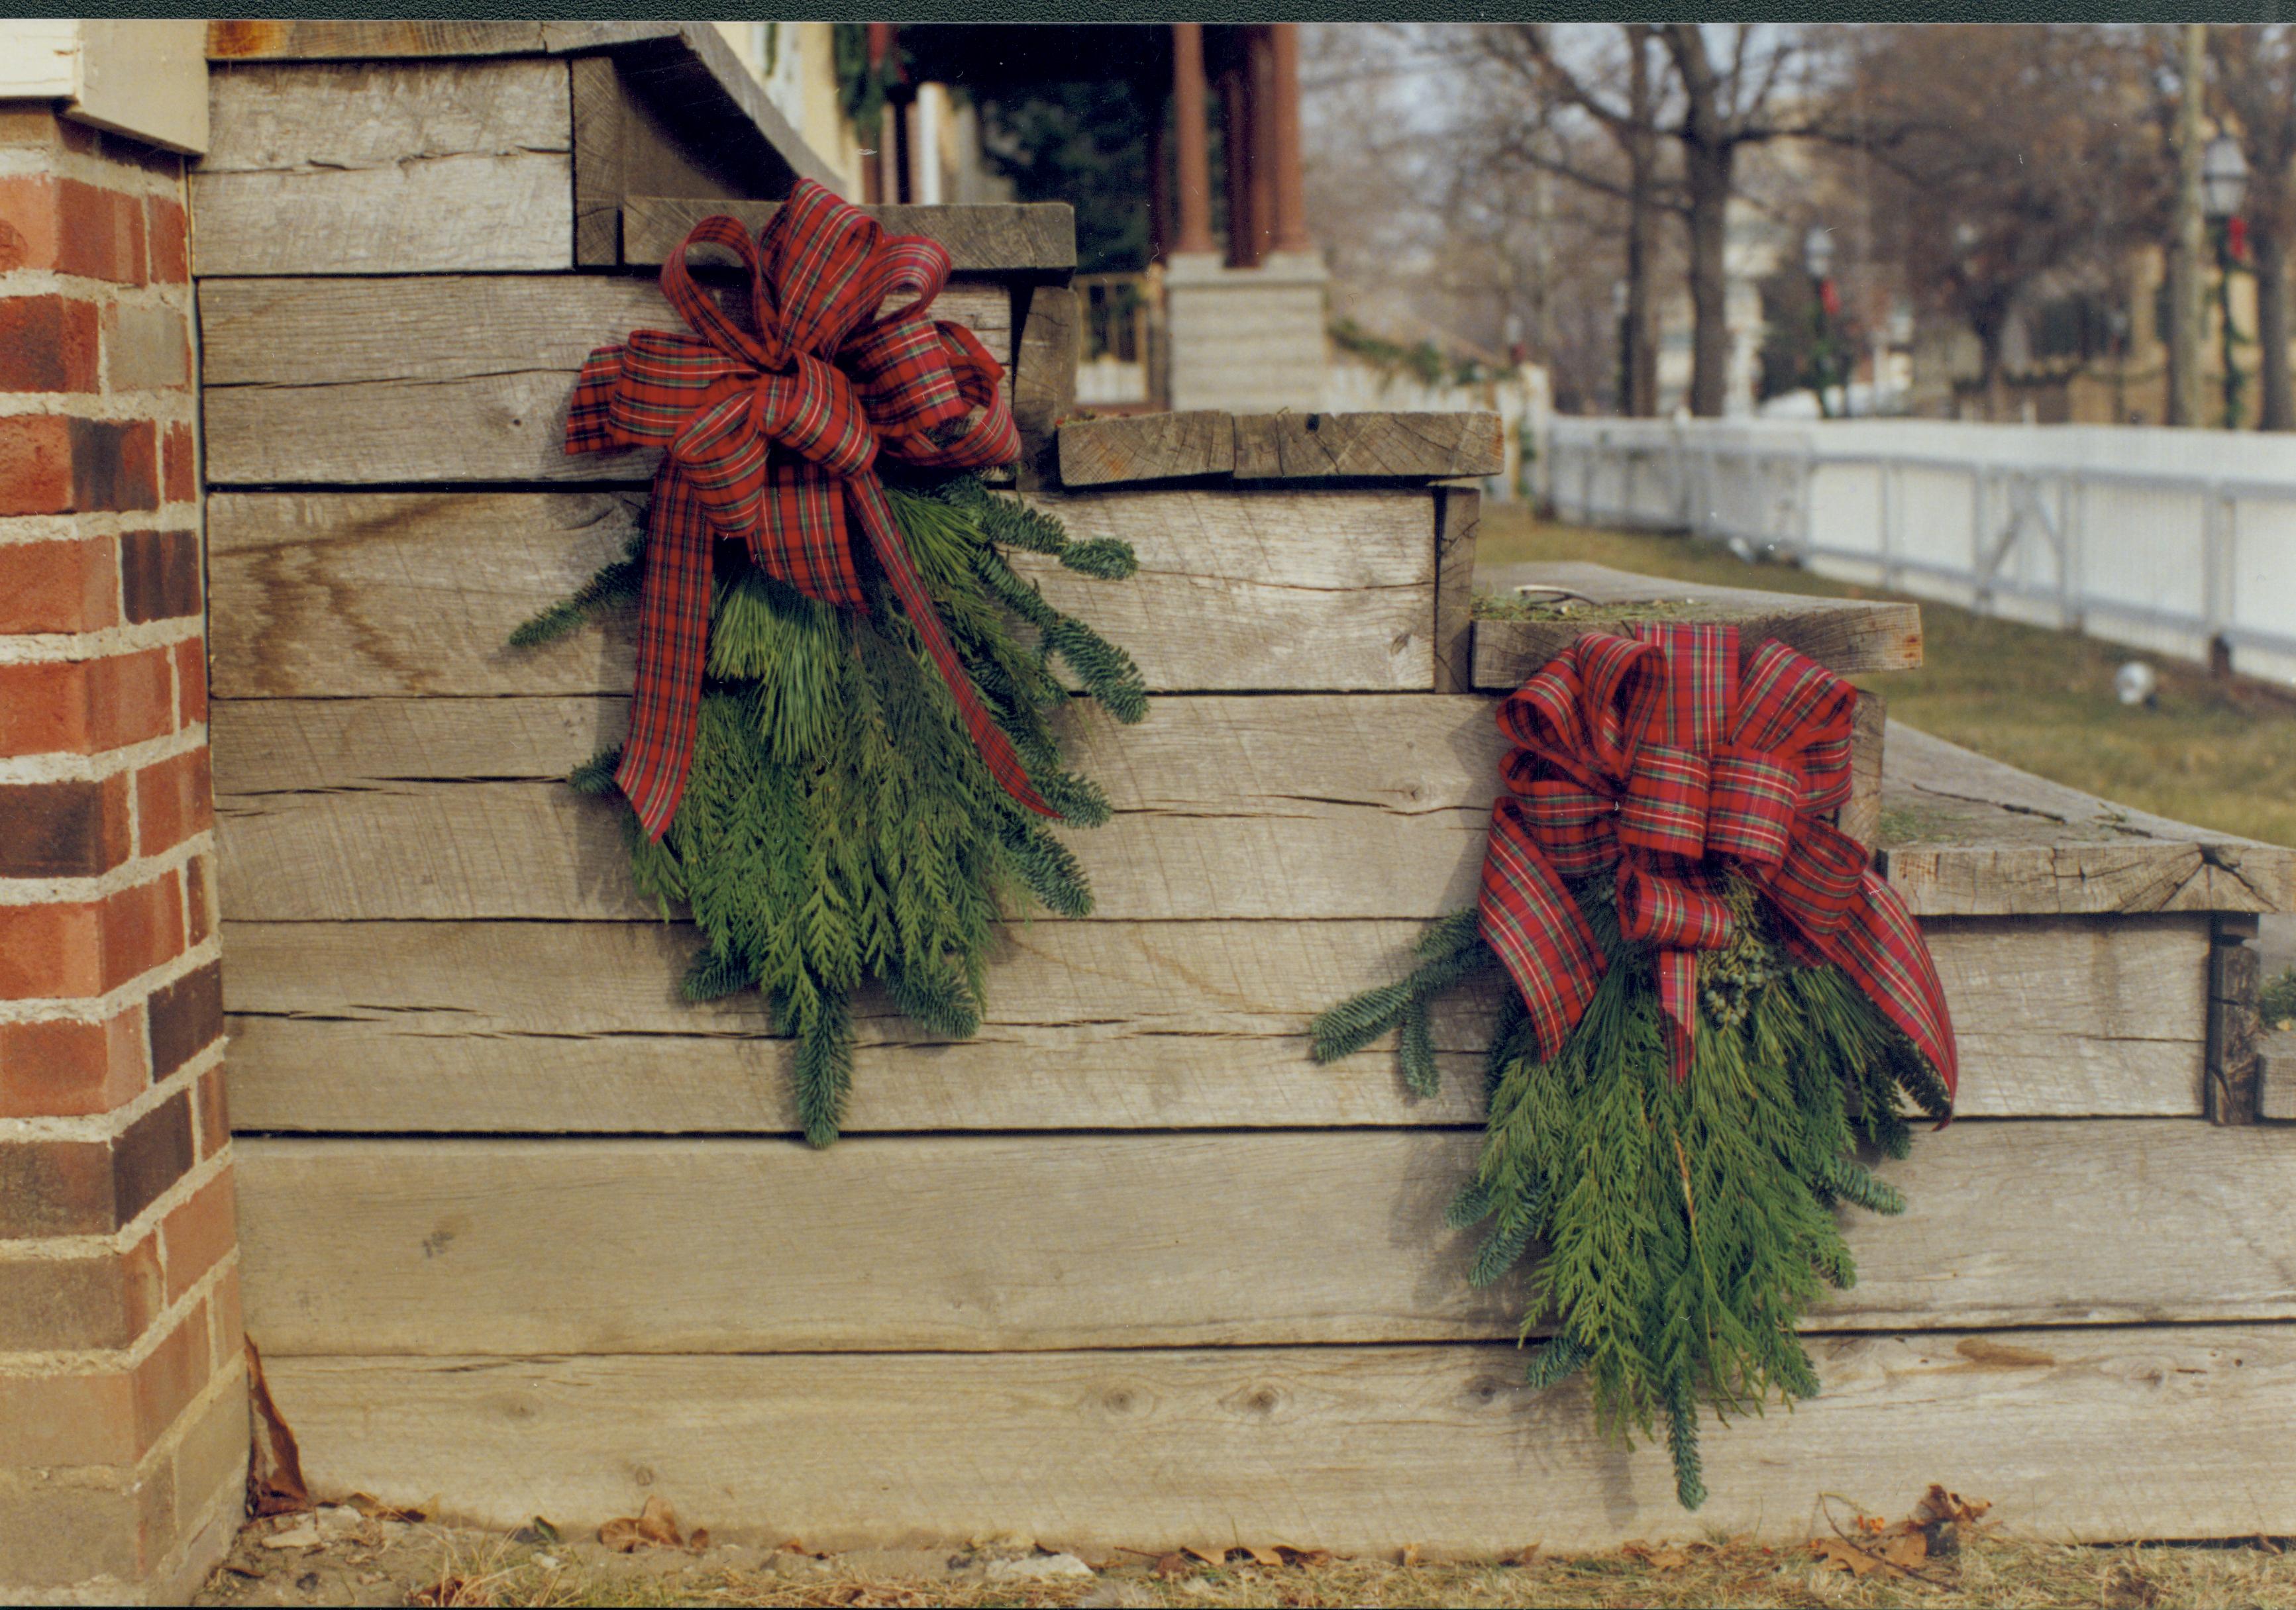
(837, 823)
(1681, 1230)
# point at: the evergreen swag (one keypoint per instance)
(1685, 1228)
(838, 820)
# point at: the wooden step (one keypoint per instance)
(1149, 447)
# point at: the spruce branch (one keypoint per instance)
(616, 585)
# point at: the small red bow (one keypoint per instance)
(1653, 754)
(770, 434)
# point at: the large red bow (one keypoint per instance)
(1651, 754)
(772, 433)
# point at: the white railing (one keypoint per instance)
(2179, 542)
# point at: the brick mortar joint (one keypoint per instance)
(53, 162)
(169, 406)
(65, 765)
(56, 282)
(133, 873)
(108, 1360)
(69, 648)
(109, 1126)
(22, 530)
(104, 1008)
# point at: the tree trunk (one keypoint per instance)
(1642, 225)
(2271, 249)
(1707, 170)
(2187, 324)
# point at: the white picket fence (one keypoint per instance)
(2170, 541)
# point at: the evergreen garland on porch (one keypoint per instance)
(1679, 1230)
(838, 823)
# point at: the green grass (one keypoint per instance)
(2218, 752)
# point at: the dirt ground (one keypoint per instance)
(341, 1557)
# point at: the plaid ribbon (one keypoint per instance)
(1658, 755)
(771, 435)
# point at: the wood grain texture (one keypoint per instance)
(445, 1027)
(355, 169)
(998, 1243)
(331, 38)
(1147, 448)
(2275, 1075)
(1458, 517)
(434, 378)
(2087, 1434)
(1848, 635)
(1226, 807)
(1319, 446)
(1046, 352)
(1860, 815)
(994, 237)
(344, 594)
(596, 96)
(1963, 833)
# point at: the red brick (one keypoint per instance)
(71, 226)
(170, 238)
(214, 1104)
(199, 900)
(142, 926)
(64, 1304)
(63, 829)
(51, 952)
(197, 1232)
(57, 1187)
(66, 586)
(110, 1417)
(48, 344)
(191, 680)
(53, 465)
(87, 705)
(36, 459)
(182, 465)
(186, 1018)
(173, 801)
(147, 347)
(150, 1154)
(159, 574)
(65, 1070)
(171, 1376)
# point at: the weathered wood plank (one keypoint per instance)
(1319, 446)
(2275, 1075)
(340, 594)
(436, 378)
(1331, 807)
(2087, 1434)
(1050, 346)
(1848, 635)
(1459, 512)
(990, 1243)
(596, 101)
(1147, 448)
(352, 168)
(1963, 833)
(1860, 815)
(996, 237)
(441, 1028)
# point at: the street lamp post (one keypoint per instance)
(2224, 184)
(1817, 257)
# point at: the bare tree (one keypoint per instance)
(2256, 81)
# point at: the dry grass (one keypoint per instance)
(2220, 752)
(447, 1567)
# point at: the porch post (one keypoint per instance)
(1195, 176)
(1291, 221)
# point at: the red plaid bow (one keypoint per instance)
(1650, 754)
(771, 435)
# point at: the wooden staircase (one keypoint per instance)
(523, 1233)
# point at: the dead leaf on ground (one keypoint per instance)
(655, 1527)
(274, 1464)
(1527, 1555)
(1409, 1556)
(1303, 1557)
(1170, 1565)
(1839, 1553)
(451, 1593)
(1907, 1550)
(1210, 1556)
(1937, 1506)
(1668, 1559)
(700, 1541)
(375, 1510)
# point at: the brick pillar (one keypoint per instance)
(123, 1400)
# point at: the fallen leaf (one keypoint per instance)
(274, 1464)
(1668, 1559)
(375, 1510)
(1937, 1506)
(700, 1541)
(1526, 1555)
(1170, 1565)
(1304, 1556)
(1263, 1557)
(1210, 1556)
(1907, 1550)
(1836, 1554)
(1409, 1554)
(655, 1526)
(449, 1591)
